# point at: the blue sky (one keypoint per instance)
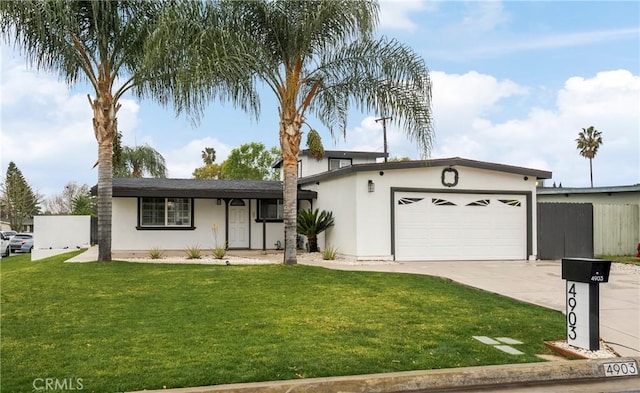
(513, 83)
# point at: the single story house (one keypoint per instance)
(439, 209)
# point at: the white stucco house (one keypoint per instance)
(439, 209)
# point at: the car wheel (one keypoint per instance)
(6, 252)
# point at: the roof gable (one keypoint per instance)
(433, 163)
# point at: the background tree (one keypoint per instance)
(210, 170)
(317, 57)
(84, 205)
(311, 223)
(314, 144)
(588, 143)
(63, 203)
(250, 161)
(103, 43)
(18, 199)
(209, 155)
(140, 160)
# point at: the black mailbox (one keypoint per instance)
(585, 270)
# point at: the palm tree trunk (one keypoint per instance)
(104, 127)
(313, 243)
(290, 143)
(591, 170)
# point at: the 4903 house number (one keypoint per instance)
(572, 317)
(620, 369)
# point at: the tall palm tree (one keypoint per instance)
(317, 57)
(139, 160)
(588, 142)
(96, 41)
(103, 42)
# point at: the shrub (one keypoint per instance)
(329, 253)
(156, 253)
(219, 252)
(193, 252)
(313, 222)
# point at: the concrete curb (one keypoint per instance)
(429, 380)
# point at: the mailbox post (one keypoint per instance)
(583, 300)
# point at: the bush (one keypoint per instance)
(219, 252)
(193, 252)
(156, 253)
(313, 222)
(329, 253)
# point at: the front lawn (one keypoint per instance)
(124, 326)
(631, 259)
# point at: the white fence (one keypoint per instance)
(616, 229)
(53, 235)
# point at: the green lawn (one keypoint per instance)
(631, 259)
(123, 326)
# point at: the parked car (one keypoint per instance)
(4, 244)
(22, 242)
(9, 234)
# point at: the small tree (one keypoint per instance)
(139, 160)
(63, 203)
(588, 142)
(18, 199)
(312, 223)
(250, 161)
(210, 170)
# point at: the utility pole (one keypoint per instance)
(384, 132)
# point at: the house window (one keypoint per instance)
(165, 212)
(337, 163)
(299, 168)
(271, 209)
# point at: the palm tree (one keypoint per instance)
(311, 223)
(588, 142)
(104, 43)
(97, 41)
(317, 57)
(208, 155)
(135, 161)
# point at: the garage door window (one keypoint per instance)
(511, 202)
(442, 202)
(481, 202)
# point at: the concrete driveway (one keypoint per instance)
(538, 282)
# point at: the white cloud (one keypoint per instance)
(397, 15)
(182, 161)
(483, 16)
(47, 129)
(542, 138)
(545, 137)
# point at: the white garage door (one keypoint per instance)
(451, 226)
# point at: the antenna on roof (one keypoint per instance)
(384, 132)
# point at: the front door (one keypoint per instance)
(238, 224)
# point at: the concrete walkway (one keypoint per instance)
(539, 282)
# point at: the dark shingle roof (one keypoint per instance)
(196, 188)
(439, 162)
(339, 154)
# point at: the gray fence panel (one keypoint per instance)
(565, 230)
(616, 229)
